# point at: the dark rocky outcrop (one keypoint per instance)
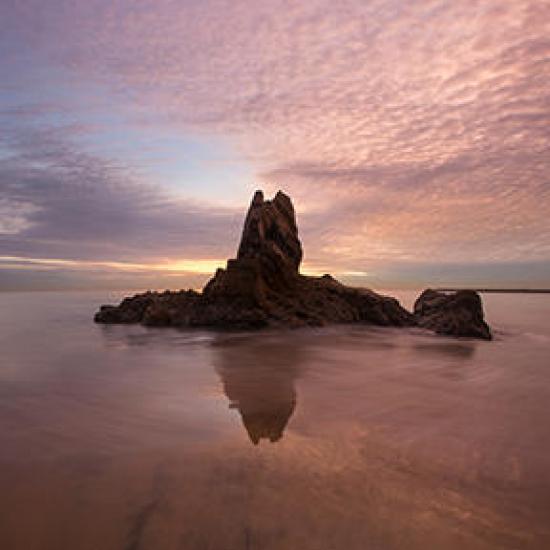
(270, 237)
(455, 314)
(263, 286)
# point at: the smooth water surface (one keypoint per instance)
(123, 437)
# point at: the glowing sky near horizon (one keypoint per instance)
(413, 137)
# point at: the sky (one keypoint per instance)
(413, 137)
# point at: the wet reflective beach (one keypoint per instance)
(122, 437)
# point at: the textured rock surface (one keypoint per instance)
(263, 286)
(455, 314)
(270, 236)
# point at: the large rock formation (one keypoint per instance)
(263, 286)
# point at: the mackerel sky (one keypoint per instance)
(413, 137)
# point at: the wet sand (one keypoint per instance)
(346, 437)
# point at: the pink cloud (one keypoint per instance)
(403, 129)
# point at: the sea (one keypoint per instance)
(342, 437)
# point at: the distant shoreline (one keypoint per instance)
(501, 290)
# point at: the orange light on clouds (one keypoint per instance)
(199, 266)
(179, 266)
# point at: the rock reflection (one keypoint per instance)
(455, 350)
(258, 378)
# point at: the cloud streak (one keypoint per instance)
(61, 203)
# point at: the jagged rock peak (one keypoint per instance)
(270, 231)
(258, 198)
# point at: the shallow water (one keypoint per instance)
(122, 437)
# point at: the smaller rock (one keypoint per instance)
(456, 314)
(130, 310)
